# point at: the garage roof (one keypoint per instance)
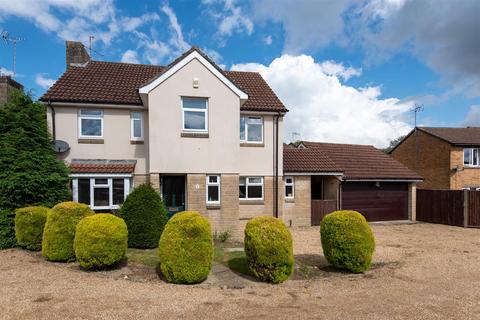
(357, 162)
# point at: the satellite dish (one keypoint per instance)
(60, 146)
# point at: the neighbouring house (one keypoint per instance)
(322, 177)
(206, 139)
(447, 158)
(7, 85)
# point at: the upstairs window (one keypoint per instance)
(251, 188)
(289, 188)
(195, 114)
(251, 129)
(90, 123)
(470, 157)
(213, 189)
(136, 125)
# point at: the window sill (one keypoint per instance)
(252, 144)
(471, 167)
(289, 200)
(136, 141)
(91, 140)
(250, 202)
(186, 134)
(213, 206)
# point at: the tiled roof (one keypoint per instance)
(102, 166)
(457, 136)
(118, 83)
(357, 162)
(307, 160)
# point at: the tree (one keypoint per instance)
(393, 144)
(30, 173)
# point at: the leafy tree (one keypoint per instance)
(30, 173)
(393, 144)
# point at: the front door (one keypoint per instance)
(173, 194)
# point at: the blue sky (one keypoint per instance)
(348, 70)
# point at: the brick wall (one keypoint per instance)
(196, 193)
(298, 211)
(7, 85)
(433, 162)
(462, 177)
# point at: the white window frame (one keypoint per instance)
(81, 116)
(205, 111)
(217, 184)
(472, 164)
(132, 121)
(126, 189)
(247, 184)
(246, 117)
(292, 184)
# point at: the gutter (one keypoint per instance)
(97, 105)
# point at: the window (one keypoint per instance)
(213, 189)
(90, 123)
(195, 114)
(136, 126)
(251, 129)
(470, 157)
(102, 192)
(289, 188)
(251, 188)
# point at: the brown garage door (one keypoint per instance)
(383, 202)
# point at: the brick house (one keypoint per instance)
(447, 158)
(7, 85)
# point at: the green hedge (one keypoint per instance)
(269, 249)
(100, 241)
(59, 232)
(7, 229)
(347, 240)
(145, 216)
(29, 224)
(186, 248)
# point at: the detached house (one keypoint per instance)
(207, 139)
(447, 158)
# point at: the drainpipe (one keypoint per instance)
(275, 186)
(53, 120)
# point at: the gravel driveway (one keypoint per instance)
(420, 271)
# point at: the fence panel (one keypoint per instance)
(441, 206)
(474, 208)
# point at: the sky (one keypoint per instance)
(349, 71)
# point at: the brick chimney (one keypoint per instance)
(7, 85)
(76, 53)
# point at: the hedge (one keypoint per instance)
(29, 224)
(347, 240)
(59, 232)
(186, 248)
(145, 216)
(269, 249)
(7, 229)
(100, 241)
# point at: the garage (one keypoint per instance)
(377, 201)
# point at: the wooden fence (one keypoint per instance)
(320, 208)
(452, 207)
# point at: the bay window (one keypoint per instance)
(251, 129)
(195, 114)
(136, 125)
(251, 188)
(102, 192)
(289, 188)
(213, 189)
(470, 157)
(90, 123)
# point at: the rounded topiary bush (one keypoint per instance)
(100, 241)
(29, 224)
(145, 216)
(59, 232)
(186, 248)
(347, 240)
(269, 249)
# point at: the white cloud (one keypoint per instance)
(43, 82)
(231, 18)
(322, 108)
(5, 72)
(332, 68)
(177, 40)
(267, 40)
(130, 56)
(473, 117)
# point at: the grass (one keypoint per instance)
(147, 257)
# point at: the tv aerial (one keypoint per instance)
(8, 39)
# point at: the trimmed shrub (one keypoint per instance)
(29, 224)
(100, 241)
(7, 229)
(59, 232)
(347, 240)
(145, 216)
(186, 248)
(269, 249)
